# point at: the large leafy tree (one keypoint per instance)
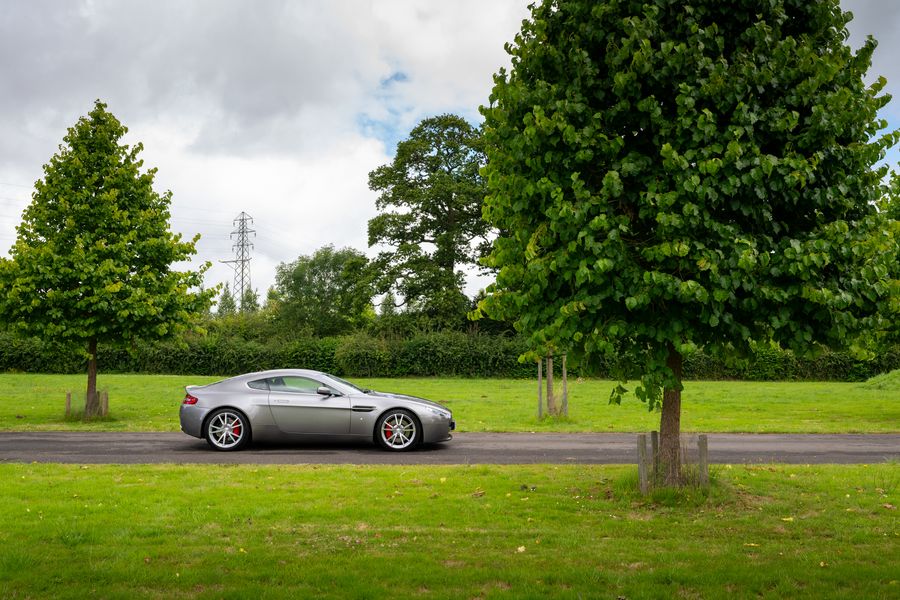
(430, 203)
(325, 293)
(680, 174)
(92, 262)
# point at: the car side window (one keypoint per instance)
(290, 383)
(259, 384)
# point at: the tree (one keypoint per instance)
(273, 299)
(250, 301)
(669, 175)
(227, 305)
(326, 293)
(430, 216)
(92, 260)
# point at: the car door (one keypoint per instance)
(297, 407)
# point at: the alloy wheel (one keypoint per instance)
(226, 430)
(398, 431)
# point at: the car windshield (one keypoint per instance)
(348, 384)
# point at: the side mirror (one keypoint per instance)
(325, 391)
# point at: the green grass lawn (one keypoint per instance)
(150, 403)
(444, 532)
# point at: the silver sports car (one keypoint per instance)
(301, 404)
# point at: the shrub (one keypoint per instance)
(363, 356)
(769, 364)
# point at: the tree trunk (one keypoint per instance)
(551, 399)
(91, 399)
(670, 425)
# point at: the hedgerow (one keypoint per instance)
(444, 354)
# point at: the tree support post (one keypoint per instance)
(703, 448)
(565, 393)
(551, 398)
(540, 389)
(643, 479)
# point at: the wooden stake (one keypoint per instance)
(642, 463)
(68, 404)
(551, 399)
(703, 447)
(104, 403)
(565, 395)
(654, 451)
(540, 389)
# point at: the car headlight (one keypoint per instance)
(439, 412)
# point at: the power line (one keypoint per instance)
(241, 261)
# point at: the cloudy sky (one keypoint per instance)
(276, 108)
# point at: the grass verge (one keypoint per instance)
(444, 532)
(150, 403)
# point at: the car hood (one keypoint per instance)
(408, 398)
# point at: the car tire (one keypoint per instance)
(227, 430)
(398, 430)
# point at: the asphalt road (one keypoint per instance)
(465, 448)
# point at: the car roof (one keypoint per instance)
(283, 372)
(279, 373)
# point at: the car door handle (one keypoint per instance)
(282, 401)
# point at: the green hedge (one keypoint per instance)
(426, 354)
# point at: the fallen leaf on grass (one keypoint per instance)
(787, 519)
(478, 493)
(752, 545)
(889, 506)
(520, 549)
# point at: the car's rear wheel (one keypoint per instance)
(227, 429)
(398, 430)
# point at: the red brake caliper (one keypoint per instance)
(387, 431)
(236, 430)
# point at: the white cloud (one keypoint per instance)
(276, 108)
(279, 109)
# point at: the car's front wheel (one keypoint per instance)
(227, 429)
(398, 430)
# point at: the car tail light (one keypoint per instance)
(188, 399)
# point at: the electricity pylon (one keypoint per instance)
(241, 262)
